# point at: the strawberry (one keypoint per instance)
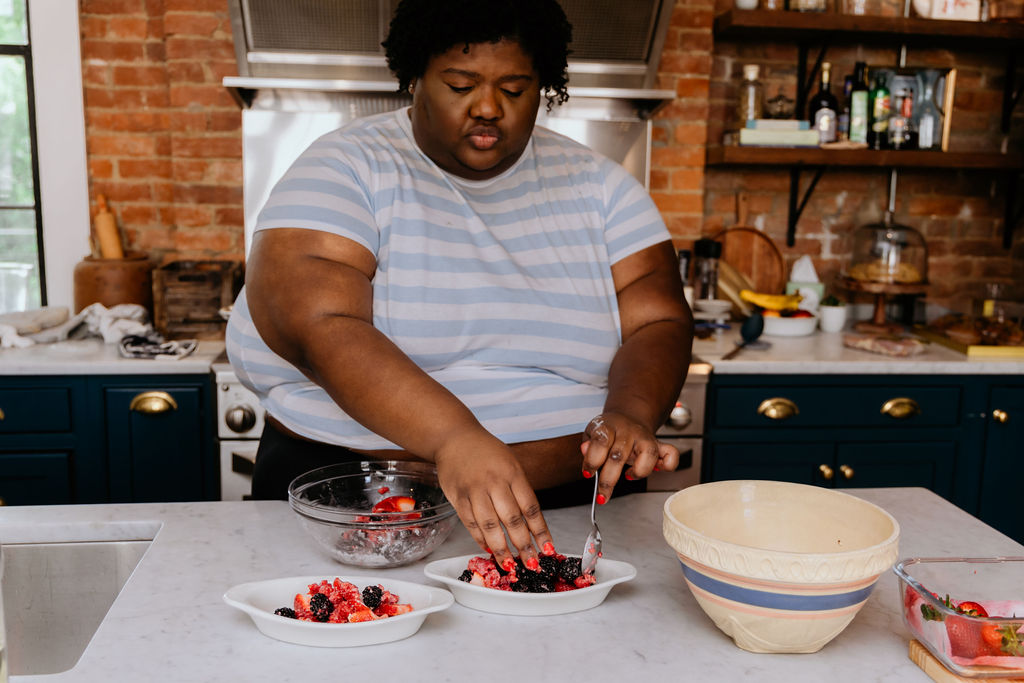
(301, 607)
(392, 610)
(965, 637)
(971, 608)
(1003, 640)
(365, 614)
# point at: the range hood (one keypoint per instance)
(334, 45)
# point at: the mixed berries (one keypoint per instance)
(341, 602)
(970, 638)
(555, 573)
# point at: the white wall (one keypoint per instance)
(60, 125)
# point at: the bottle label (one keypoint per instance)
(859, 116)
(926, 132)
(825, 124)
(881, 114)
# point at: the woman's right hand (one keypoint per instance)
(489, 490)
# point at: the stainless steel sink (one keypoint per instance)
(57, 592)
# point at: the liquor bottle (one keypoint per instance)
(843, 125)
(901, 122)
(928, 117)
(859, 104)
(823, 110)
(880, 110)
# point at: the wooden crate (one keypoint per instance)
(188, 297)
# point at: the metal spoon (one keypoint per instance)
(592, 548)
(750, 330)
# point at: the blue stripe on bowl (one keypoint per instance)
(797, 603)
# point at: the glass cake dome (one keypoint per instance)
(889, 253)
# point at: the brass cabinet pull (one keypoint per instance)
(1000, 416)
(826, 471)
(847, 471)
(2, 413)
(777, 408)
(900, 408)
(2, 502)
(153, 403)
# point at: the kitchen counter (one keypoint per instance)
(93, 357)
(169, 623)
(823, 353)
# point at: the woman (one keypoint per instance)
(446, 283)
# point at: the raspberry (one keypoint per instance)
(321, 607)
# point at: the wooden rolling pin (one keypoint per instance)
(107, 234)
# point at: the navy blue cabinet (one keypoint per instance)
(98, 439)
(959, 436)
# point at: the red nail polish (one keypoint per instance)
(548, 549)
(489, 551)
(587, 474)
(508, 564)
(628, 478)
(656, 469)
(601, 500)
(532, 564)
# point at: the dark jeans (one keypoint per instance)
(282, 457)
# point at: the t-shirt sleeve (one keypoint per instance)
(324, 189)
(632, 220)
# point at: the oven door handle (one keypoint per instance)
(242, 463)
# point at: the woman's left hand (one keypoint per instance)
(615, 445)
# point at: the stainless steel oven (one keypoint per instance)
(239, 426)
(684, 429)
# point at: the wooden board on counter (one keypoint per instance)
(920, 655)
(973, 350)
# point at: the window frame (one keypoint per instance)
(63, 185)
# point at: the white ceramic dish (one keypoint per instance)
(789, 327)
(714, 306)
(259, 599)
(608, 574)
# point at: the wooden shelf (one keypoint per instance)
(795, 26)
(864, 158)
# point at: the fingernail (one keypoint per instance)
(587, 474)
(548, 549)
(601, 500)
(489, 551)
(508, 564)
(628, 478)
(532, 564)
(656, 469)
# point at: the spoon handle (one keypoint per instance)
(739, 347)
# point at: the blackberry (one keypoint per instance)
(321, 607)
(285, 612)
(372, 595)
(548, 567)
(571, 569)
(466, 576)
(520, 586)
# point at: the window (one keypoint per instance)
(22, 281)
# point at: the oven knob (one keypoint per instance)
(240, 418)
(680, 416)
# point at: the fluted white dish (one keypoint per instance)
(609, 574)
(259, 599)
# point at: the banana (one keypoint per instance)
(772, 302)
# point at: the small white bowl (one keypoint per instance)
(789, 327)
(259, 599)
(608, 574)
(715, 306)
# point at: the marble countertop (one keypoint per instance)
(93, 357)
(169, 622)
(823, 353)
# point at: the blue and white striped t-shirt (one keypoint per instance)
(500, 289)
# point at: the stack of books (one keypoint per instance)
(778, 133)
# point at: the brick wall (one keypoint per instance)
(162, 134)
(164, 145)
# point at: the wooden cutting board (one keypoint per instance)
(753, 253)
(920, 655)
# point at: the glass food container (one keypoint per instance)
(889, 253)
(967, 611)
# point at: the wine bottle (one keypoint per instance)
(880, 110)
(859, 104)
(823, 110)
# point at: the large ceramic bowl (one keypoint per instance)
(335, 506)
(779, 567)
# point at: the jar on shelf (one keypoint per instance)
(889, 253)
(808, 5)
(751, 104)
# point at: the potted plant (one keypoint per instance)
(831, 314)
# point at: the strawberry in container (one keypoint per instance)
(968, 612)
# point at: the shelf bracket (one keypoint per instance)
(804, 80)
(1013, 214)
(1011, 91)
(797, 204)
